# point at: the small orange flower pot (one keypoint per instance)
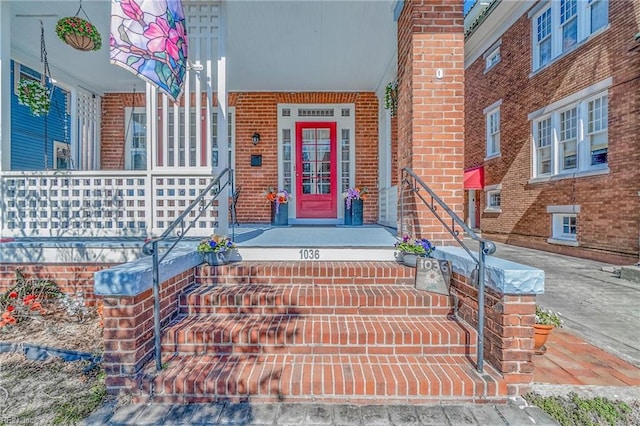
(540, 334)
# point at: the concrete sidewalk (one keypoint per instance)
(595, 305)
(321, 414)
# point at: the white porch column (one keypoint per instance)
(5, 87)
(223, 133)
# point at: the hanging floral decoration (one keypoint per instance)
(79, 33)
(35, 95)
(391, 97)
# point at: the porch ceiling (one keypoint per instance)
(296, 45)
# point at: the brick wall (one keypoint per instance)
(257, 112)
(431, 109)
(71, 278)
(128, 331)
(508, 331)
(608, 222)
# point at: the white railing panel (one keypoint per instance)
(173, 194)
(99, 204)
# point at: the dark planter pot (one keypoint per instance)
(353, 215)
(279, 214)
(216, 259)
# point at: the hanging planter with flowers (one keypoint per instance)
(79, 33)
(35, 95)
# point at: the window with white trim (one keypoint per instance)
(572, 139)
(135, 139)
(492, 58)
(597, 126)
(493, 193)
(493, 132)
(568, 139)
(564, 227)
(559, 26)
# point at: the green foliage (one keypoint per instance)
(81, 27)
(391, 97)
(574, 410)
(35, 95)
(547, 317)
(42, 288)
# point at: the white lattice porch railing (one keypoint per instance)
(98, 203)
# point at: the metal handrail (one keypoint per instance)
(410, 179)
(150, 247)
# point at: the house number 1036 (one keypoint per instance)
(309, 254)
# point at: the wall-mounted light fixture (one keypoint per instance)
(255, 138)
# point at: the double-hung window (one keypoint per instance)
(542, 46)
(569, 23)
(136, 139)
(571, 135)
(558, 26)
(492, 114)
(543, 146)
(597, 125)
(569, 139)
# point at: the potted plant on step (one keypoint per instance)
(279, 201)
(546, 321)
(354, 206)
(409, 249)
(216, 249)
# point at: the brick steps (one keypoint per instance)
(328, 378)
(316, 273)
(316, 331)
(318, 334)
(308, 299)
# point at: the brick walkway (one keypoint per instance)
(570, 360)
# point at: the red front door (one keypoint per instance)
(316, 170)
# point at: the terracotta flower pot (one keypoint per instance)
(540, 334)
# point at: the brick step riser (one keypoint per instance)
(313, 335)
(256, 349)
(315, 310)
(307, 378)
(303, 280)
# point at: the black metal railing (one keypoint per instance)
(411, 181)
(150, 248)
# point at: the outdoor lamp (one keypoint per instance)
(255, 138)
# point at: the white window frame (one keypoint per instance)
(231, 137)
(558, 216)
(61, 148)
(492, 130)
(491, 191)
(128, 131)
(552, 114)
(492, 56)
(558, 22)
(567, 136)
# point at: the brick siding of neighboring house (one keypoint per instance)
(609, 219)
(258, 112)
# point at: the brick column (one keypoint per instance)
(431, 108)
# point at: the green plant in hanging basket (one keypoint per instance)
(35, 95)
(391, 97)
(79, 33)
